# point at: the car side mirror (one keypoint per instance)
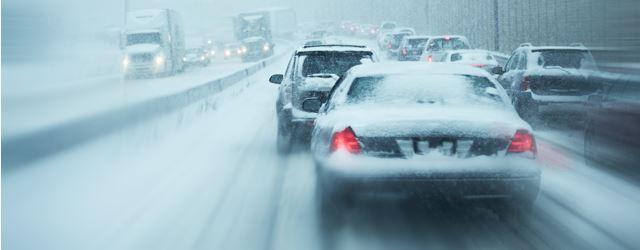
(312, 105)
(497, 71)
(276, 79)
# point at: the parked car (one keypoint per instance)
(477, 58)
(196, 56)
(438, 46)
(393, 46)
(411, 48)
(411, 130)
(312, 72)
(555, 77)
(611, 131)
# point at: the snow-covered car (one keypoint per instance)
(438, 46)
(412, 47)
(555, 77)
(404, 130)
(477, 58)
(196, 57)
(312, 72)
(393, 43)
(383, 30)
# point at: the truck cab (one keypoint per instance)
(153, 44)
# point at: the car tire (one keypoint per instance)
(526, 109)
(283, 140)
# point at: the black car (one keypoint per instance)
(312, 72)
(553, 77)
(611, 134)
(412, 47)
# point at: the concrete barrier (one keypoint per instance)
(23, 149)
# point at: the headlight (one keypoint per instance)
(184, 59)
(266, 47)
(202, 58)
(125, 61)
(159, 59)
(213, 53)
(244, 49)
(227, 53)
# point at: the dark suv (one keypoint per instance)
(311, 73)
(556, 77)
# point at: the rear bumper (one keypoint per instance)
(481, 180)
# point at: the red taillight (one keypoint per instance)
(346, 140)
(522, 141)
(405, 51)
(430, 59)
(526, 82)
(389, 45)
(477, 65)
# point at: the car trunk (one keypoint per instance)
(406, 139)
(562, 85)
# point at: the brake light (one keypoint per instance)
(477, 65)
(430, 59)
(526, 82)
(346, 140)
(389, 45)
(522, 141)
(405, 51)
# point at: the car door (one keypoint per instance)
(506, 79)
(284, 93)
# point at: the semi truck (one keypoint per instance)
(256, 30)
(153, 43)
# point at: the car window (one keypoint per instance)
(616, 90)
(336, 63)
(289, 71)
(513, 62)
(575, 59)
(522, 61)
(632, 91)
(447, 44)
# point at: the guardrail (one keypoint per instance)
(23, 149)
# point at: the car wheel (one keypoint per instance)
(283, 140)
(525, 109)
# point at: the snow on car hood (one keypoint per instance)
(376, 121)
(143, 48)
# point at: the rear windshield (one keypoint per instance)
(336, 63)
(423, 89)
(388, 26)
(417, 43)
(447, 44)
(574, 59)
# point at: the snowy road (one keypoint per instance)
(208, 177)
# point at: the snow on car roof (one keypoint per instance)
(334, 47)
(253, 39)
(388, 68)
(448, 36)
(463, 51)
